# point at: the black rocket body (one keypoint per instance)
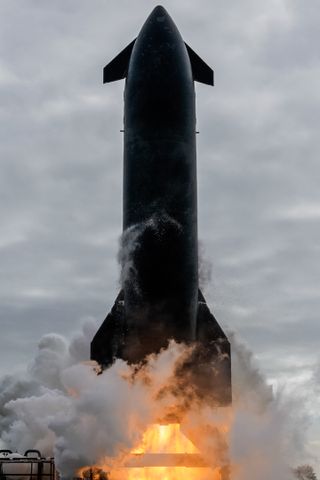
(160, 298)
(160, 181)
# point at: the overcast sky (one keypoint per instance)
(258, 170)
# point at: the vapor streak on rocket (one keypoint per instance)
(160, 299)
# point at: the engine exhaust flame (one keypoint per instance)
(165, 453)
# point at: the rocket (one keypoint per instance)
(160, 298)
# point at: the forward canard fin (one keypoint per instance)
(200, 70)
(117, 69)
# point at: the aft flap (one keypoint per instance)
(107, 343)
(215, 353)
(208, 329)
(118, 67)
(201, 71)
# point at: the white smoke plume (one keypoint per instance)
(130, 244)
(268, 430)
(63, 408)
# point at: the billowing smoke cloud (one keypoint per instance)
(62, 407)
(268, 429)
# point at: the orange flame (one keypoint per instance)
(165, 439)
(164, 453)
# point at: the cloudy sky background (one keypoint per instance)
(258, 169)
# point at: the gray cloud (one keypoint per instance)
(61, 169)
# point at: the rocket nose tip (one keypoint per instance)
(159, 11)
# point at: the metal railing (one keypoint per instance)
(26, 467)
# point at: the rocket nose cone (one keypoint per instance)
(159, 13)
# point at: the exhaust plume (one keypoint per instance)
(63, 408)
